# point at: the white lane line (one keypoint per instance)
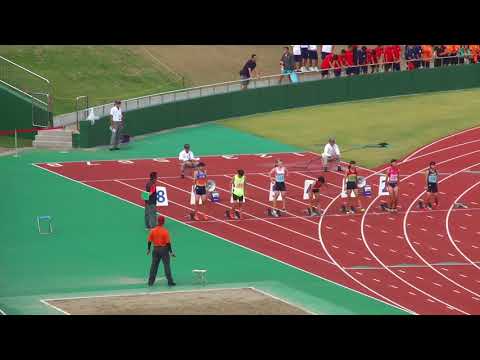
(298, 154)
(359, 238)
(419, 277)
(474, 298)
(444, 269)
(412, 293)
(367, 258)
(368, 226)
(434, 249)
(467, 214)
(405, 195)
(335, 246)
(400, 237)
(231, 224)
(411, 183)
(247, 213)
(413, 248)
(329, 228)
(376, 280)
(417, 243)
(462, 275)
(384, 231)
(456, 291)
(390, 218)
(374, 244)
(423, 229)
(401, 271)
(437, 284)
(443, 193)
(432, 301)
(473, 203)
(463, 227)
(440, 235)
(393, 286)
(475, 247)
(457, 241)
(351, 252)
(410, 257)
(394, 251)
(343, 233)
(359, 273)
(430, 217)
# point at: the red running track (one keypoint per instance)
(381, 255)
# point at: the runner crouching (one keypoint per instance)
(314, 196)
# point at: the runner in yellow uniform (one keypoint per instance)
(239, 183)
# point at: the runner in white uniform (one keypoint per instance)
(277, 177)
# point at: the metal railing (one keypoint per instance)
(24, 80)
(254, 83)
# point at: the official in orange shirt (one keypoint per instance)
(162, 249)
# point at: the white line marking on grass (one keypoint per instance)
(282, 300)
(2, 312)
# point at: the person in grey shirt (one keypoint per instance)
(287, 62)
(151, 203)
(116, 125)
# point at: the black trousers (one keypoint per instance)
(160, 253)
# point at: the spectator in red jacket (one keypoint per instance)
(379, 54)
(326, 64)
(389, 57)
(337, 67)
(347, 58)
(372, 60)
(397, 51)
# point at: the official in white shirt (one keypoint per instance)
(116, 125)
(331, 154)
(187, 159)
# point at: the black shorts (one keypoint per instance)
(298, 58)
(315, 191)
(279, 186)
(304, 53)
(432, 188)
(237, 198)
(351, 185)
(392, 185)
(200, 190)
(312, 54)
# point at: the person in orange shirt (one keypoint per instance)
(474, 52)
(162, 249)
(427, 52)
(452, 51)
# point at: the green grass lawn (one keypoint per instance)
(104, 73)
(405, 123)
(9, 142)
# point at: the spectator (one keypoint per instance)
(409, 57)
(248, 71)
(335, 64)
(453, 53)
(474, 52)
(372, 60)
(116, 125)
(327, 63)
(388, 56)
(312, 58)
(356, 68)
(347, 59)
(463, 53)
(287, 62)
(362, 59)
(440, 52)
(326, 50)
(417, 55)
(427, 51)
(379, 55)
(397, 52)
(297, 55)
(304, 52)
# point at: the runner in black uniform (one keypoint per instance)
(431, 176)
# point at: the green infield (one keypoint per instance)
(404, 122)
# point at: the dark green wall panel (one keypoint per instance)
(261, 100)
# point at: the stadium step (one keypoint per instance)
(57, 139)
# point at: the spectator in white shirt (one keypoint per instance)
(187, 159)
(331, 154)
(326, 49)
(297, 55)
(116, 125)
(312, 58)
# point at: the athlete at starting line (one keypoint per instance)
(278, 176)
(314, 196)
(431, 177)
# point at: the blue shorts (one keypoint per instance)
(304, 53)
(200, 190)
(312, 54)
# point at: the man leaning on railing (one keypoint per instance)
(248, 71)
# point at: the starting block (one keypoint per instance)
(214, 196)
(200, 276)
(367, 190)
(306, 187)
(382, 186)
(47, 219)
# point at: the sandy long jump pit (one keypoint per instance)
(241, 301)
